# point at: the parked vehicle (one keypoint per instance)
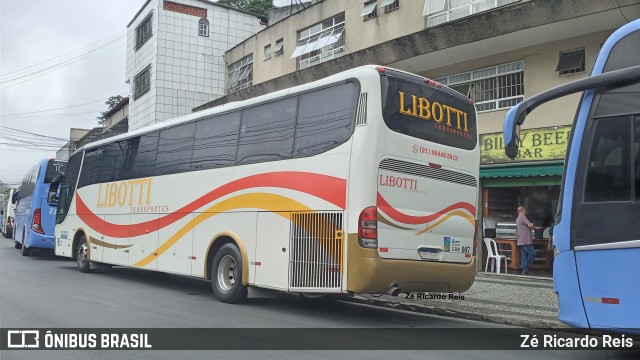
(35, 211)
(7, 209)
(365, 181)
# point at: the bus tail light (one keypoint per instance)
(36, 224)
(368, 228)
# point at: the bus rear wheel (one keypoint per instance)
(82, 255)
(226, 275)
(16, 244)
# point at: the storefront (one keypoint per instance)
(532, 180)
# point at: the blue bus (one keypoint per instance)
(596, 270)
(35, 214)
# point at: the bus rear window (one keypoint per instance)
(413, 108)
(54, 168)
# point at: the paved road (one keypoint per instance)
(44, 291)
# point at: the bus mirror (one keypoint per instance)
(52, 196)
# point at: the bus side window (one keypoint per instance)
(174, 149)
(608, 177)
(319, 129)
(216, 141)
(267, 132)
(113, 161)
(143, 155)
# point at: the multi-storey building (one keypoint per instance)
(175, 55)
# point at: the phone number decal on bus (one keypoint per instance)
(432, 152)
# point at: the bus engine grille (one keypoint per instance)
(316, 256)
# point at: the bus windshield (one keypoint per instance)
(412, 107)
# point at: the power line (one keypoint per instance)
(54, 109)
(30, 133)
(53, 116)
(41, 72)
(55, 65)
(83, 48)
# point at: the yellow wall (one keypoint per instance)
(539, 74)
(359, 34)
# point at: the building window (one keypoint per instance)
(203, 27)
(142, 83)
(492, 88)
(442, 11)
(267, 52)
(390, 5)
(369, 11)
(571, 62)
(279, 49)
(240, 74)
(320, 42)
(143, 31)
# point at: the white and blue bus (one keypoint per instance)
(597, 233)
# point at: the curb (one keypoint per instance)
(496, 319)
(514, 277)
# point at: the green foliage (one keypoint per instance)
(111, 102)
(260, 7)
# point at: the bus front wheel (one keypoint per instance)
(82, 255)
(226, 275)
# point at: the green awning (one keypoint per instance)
(521, 174)
(521, 171)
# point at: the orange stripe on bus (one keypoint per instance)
(328, 188)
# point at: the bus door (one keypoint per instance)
(605, 232)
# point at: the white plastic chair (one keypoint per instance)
(492, 254)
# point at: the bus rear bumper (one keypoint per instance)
(369, 273)
(40, 241)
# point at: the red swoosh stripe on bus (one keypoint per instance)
(328, 188)
(409, 219)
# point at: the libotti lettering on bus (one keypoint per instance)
(399, 182)
(424, 109)
(127, 192)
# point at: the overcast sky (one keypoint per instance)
(35, 31)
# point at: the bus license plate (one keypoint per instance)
(429, 254)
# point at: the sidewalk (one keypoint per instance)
(524, 301)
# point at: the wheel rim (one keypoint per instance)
(227, 272)
(82, 254)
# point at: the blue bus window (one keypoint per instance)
(608, 171)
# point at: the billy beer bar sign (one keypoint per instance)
(536, 144)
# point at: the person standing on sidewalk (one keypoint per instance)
(525, 240)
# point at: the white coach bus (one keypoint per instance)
(363, 182)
